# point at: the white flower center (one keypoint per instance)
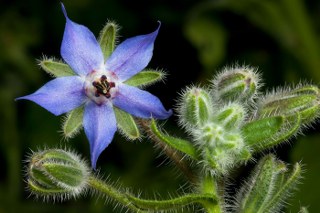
(101, 86)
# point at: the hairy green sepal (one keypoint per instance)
(73, 122)
(145, 77)
(127, 124)
(56, 68)
(107, 38)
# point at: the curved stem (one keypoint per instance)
(111, 192)
(143, 205)
(174, 202)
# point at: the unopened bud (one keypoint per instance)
(56, 173)
(304, 100)
(196, 107)
(231, 116)
(236, 84)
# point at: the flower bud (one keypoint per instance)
(196, 107)
(56, 173)
(304, 100)
(268, 187)
(231, 116)
(236, 84)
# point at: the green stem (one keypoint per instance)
(173, 203)
(111, 192)
(143, 205)
(209, 186)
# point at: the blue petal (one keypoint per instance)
(80, 48)
(59, 95)
(99, 124)
(140, 103)
(132, 55)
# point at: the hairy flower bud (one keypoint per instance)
(268, 187)
(236, 84)
(196, 107)
(56, 174)
(231, 116)
(304, 99)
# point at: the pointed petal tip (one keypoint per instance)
(64, 11)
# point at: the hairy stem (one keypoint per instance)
(209, 185)
(111, 192)
(142, 205)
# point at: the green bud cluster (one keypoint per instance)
(214, 117)
(56, 174)
(229, 122)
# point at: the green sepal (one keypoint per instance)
(56, 68)
(68, 175)
(73, 122)
(145, 78)
(176, 143)
(126, 124)
(36, 189)
(107, 38)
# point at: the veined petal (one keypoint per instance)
(99, 124)
(80, 48)
(59, 95)
(140, 103)
(132, 55)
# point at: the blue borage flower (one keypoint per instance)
(99, 84)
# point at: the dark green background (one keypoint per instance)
(196, 39)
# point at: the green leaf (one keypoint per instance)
(56, 68)
(177, 143)
(289, 128)
(126, 124)
(73, 122)
(260, 130)
(145, 77)
(268, 132)
(107, 38)
(64, 174)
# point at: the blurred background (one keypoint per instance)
(197, 39)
